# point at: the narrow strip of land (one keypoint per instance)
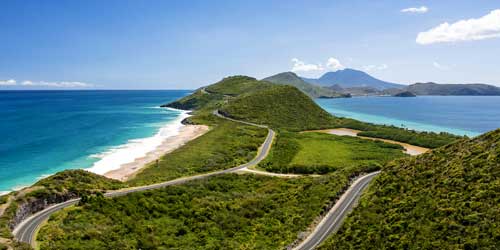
(334, 218)
(26, 230)
(409, 149)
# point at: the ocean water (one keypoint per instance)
(42, 132)
(461, 115)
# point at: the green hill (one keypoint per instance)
(282, 106)
(279, 107)
(214, 95)
(446, 199)
(314, 91)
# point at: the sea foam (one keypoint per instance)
(136, 148)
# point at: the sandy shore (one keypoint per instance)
(410, 149)
(186, 134)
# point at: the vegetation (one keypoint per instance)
(61, 186)
(215, 95)
(225, 212)
(446, 199)
(431, 88)
(284, 107)
(78, 182)
(8, 214)
(227, 145)
(279, 106)
(318, 153)
(417, 138)
(4, 199)
(237, 85)
(312, 90)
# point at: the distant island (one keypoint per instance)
(354, 82)
(348, 78)
(431, 88)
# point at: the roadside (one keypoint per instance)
(409, 149)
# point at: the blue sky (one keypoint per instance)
(186, 44)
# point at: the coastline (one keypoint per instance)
(122, 162)
(362, 110)
(185, 134)
(409, 149)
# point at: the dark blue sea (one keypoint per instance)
(461, 115)
(42, 132)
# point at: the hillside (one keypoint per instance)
(446, 199)
(431, 88)
(246, 98)
(215, 94)
(348, 78)
(279, 107)
(288, 108)
(312, 90)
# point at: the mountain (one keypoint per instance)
(445, 199)
(312, 90)
(246, 98)
(431, 88)
(348, 78)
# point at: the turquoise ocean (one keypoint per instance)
(43, 132)
(461, 115)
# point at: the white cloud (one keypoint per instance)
(300, 66)
(10, 82)
(440, 66)
(334, 64)
(58, 84)
(375, 67)
(421, 9)
(485, 27)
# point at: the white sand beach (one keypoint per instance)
(186, 134)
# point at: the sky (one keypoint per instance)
(120, 44)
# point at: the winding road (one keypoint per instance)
(334, 218)
(27, 229)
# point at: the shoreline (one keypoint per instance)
(185, 134)
(118, 161)
(409, 149)
(116, 156)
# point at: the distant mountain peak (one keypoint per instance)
(349, 78)
(290, 78)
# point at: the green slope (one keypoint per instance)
(279, 107)
(314, 91)
(447, 199)
(319, 153)
(230, 211)
(285, 107)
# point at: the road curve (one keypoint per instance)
(334, 218)
(26, 230)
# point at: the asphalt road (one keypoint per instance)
(333, 220)
(26, 230)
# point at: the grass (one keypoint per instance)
(4, 199)
(55, 188)
(78, 182)
(417, 138)
(318, 153)
(230, 211)
(226, 145)
(446, 199)
(281, 107)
